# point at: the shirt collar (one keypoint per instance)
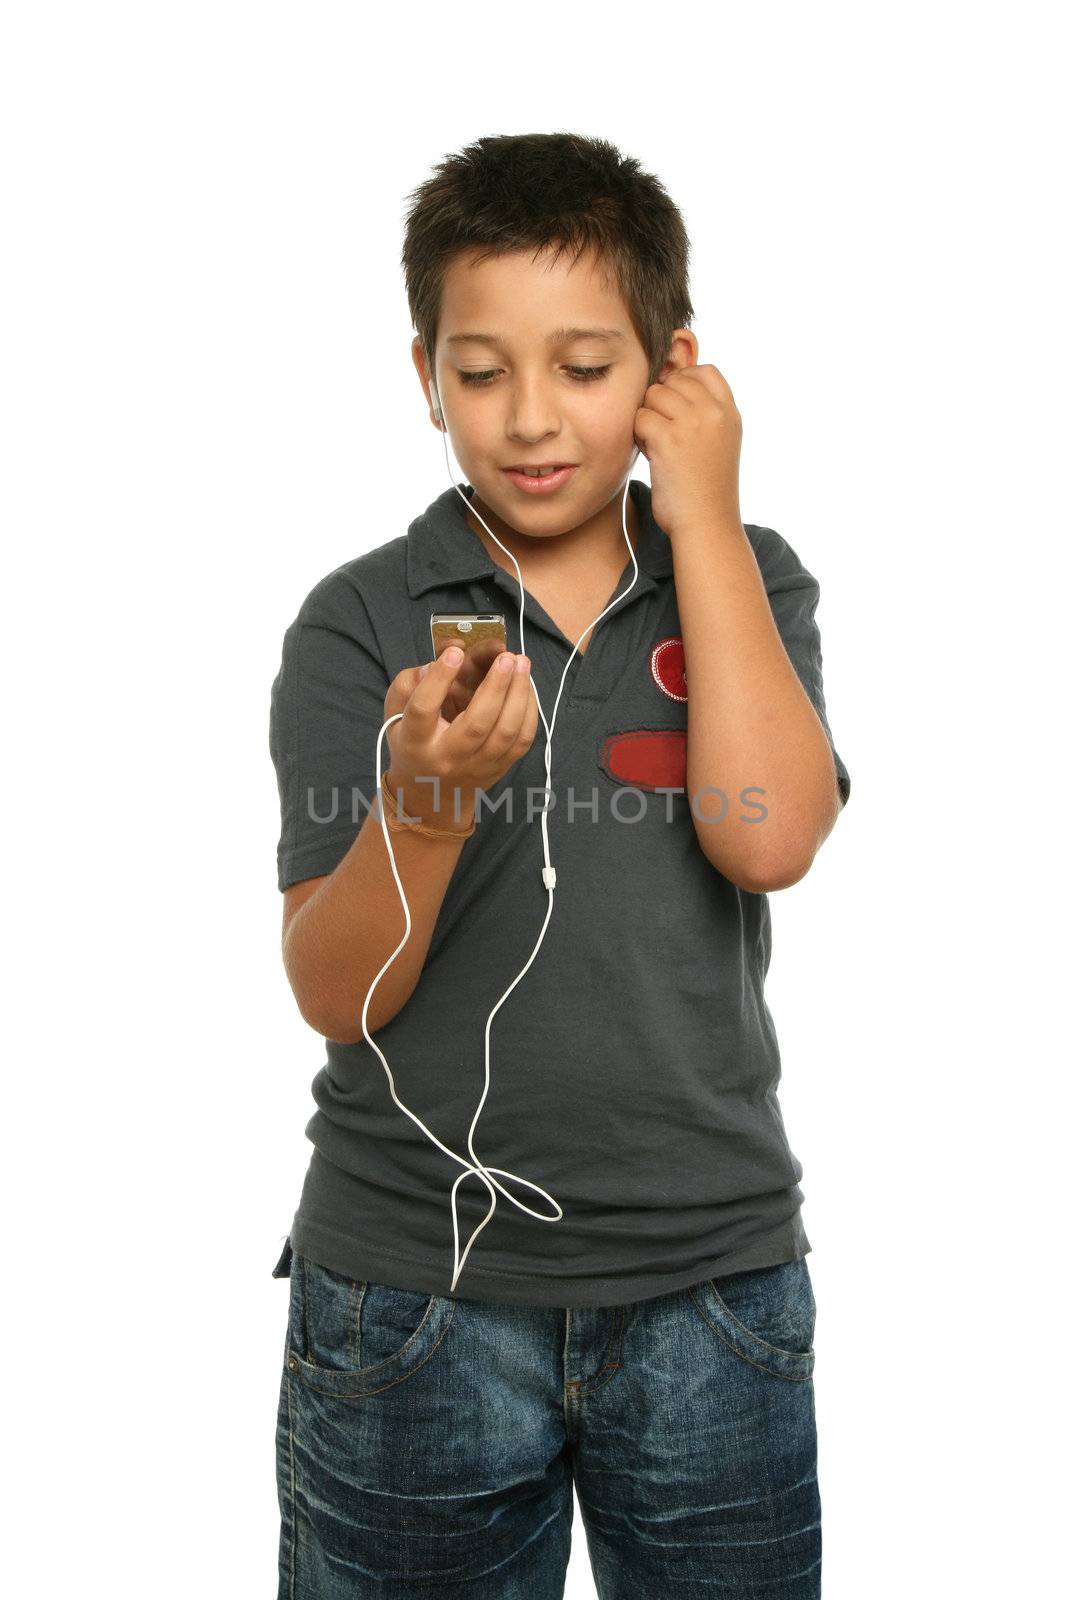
(443, 549)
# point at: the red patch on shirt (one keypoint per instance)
(667, 665)
(646, 758)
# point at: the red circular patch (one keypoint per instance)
(667, 663)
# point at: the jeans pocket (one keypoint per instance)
(765, 1315)
(349, 1338)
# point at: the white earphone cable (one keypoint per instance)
(548, 875)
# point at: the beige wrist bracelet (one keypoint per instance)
(397, 823)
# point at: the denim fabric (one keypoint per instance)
(428, 1444)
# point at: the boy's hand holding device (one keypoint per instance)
(478, 657)
(689, 429)
(471, 752)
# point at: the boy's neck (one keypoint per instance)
(597, 546)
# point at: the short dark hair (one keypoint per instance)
(532, 191)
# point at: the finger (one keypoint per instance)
(664, 402)
(475, 725)
(424, 707)
(517, 723)
(514, 715)
(401, 690)
(477, 660)
(462, 691)
(709, 378)
(531, 720)
(477, 657)
(455, 700)
(480, 658)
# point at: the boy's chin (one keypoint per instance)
(534, 522)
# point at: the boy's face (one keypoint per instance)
(521, 397)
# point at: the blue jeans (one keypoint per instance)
(428, 1445)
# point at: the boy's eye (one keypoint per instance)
(580, 374)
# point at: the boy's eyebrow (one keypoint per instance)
(559, 336)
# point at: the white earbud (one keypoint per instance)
(548, 874)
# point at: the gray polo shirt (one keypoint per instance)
(634, 1066)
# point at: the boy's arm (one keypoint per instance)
(338, 931)
(343, 916)
(751, 723)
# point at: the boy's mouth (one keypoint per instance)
(540, 480)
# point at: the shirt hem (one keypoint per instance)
(341, 1254)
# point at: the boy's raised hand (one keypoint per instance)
(689, 428)
(471, 752)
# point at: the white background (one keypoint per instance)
(208, 403)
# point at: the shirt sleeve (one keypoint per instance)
(793, 595)
(326, 710)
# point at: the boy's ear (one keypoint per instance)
(685, 351)
(418, 356)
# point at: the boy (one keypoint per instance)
(651, 1343)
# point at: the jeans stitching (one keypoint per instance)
(362, 1394)
(777, 1348)
(292, 1486)
(610, 1366)
(793, 1355)
(358, 1287)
